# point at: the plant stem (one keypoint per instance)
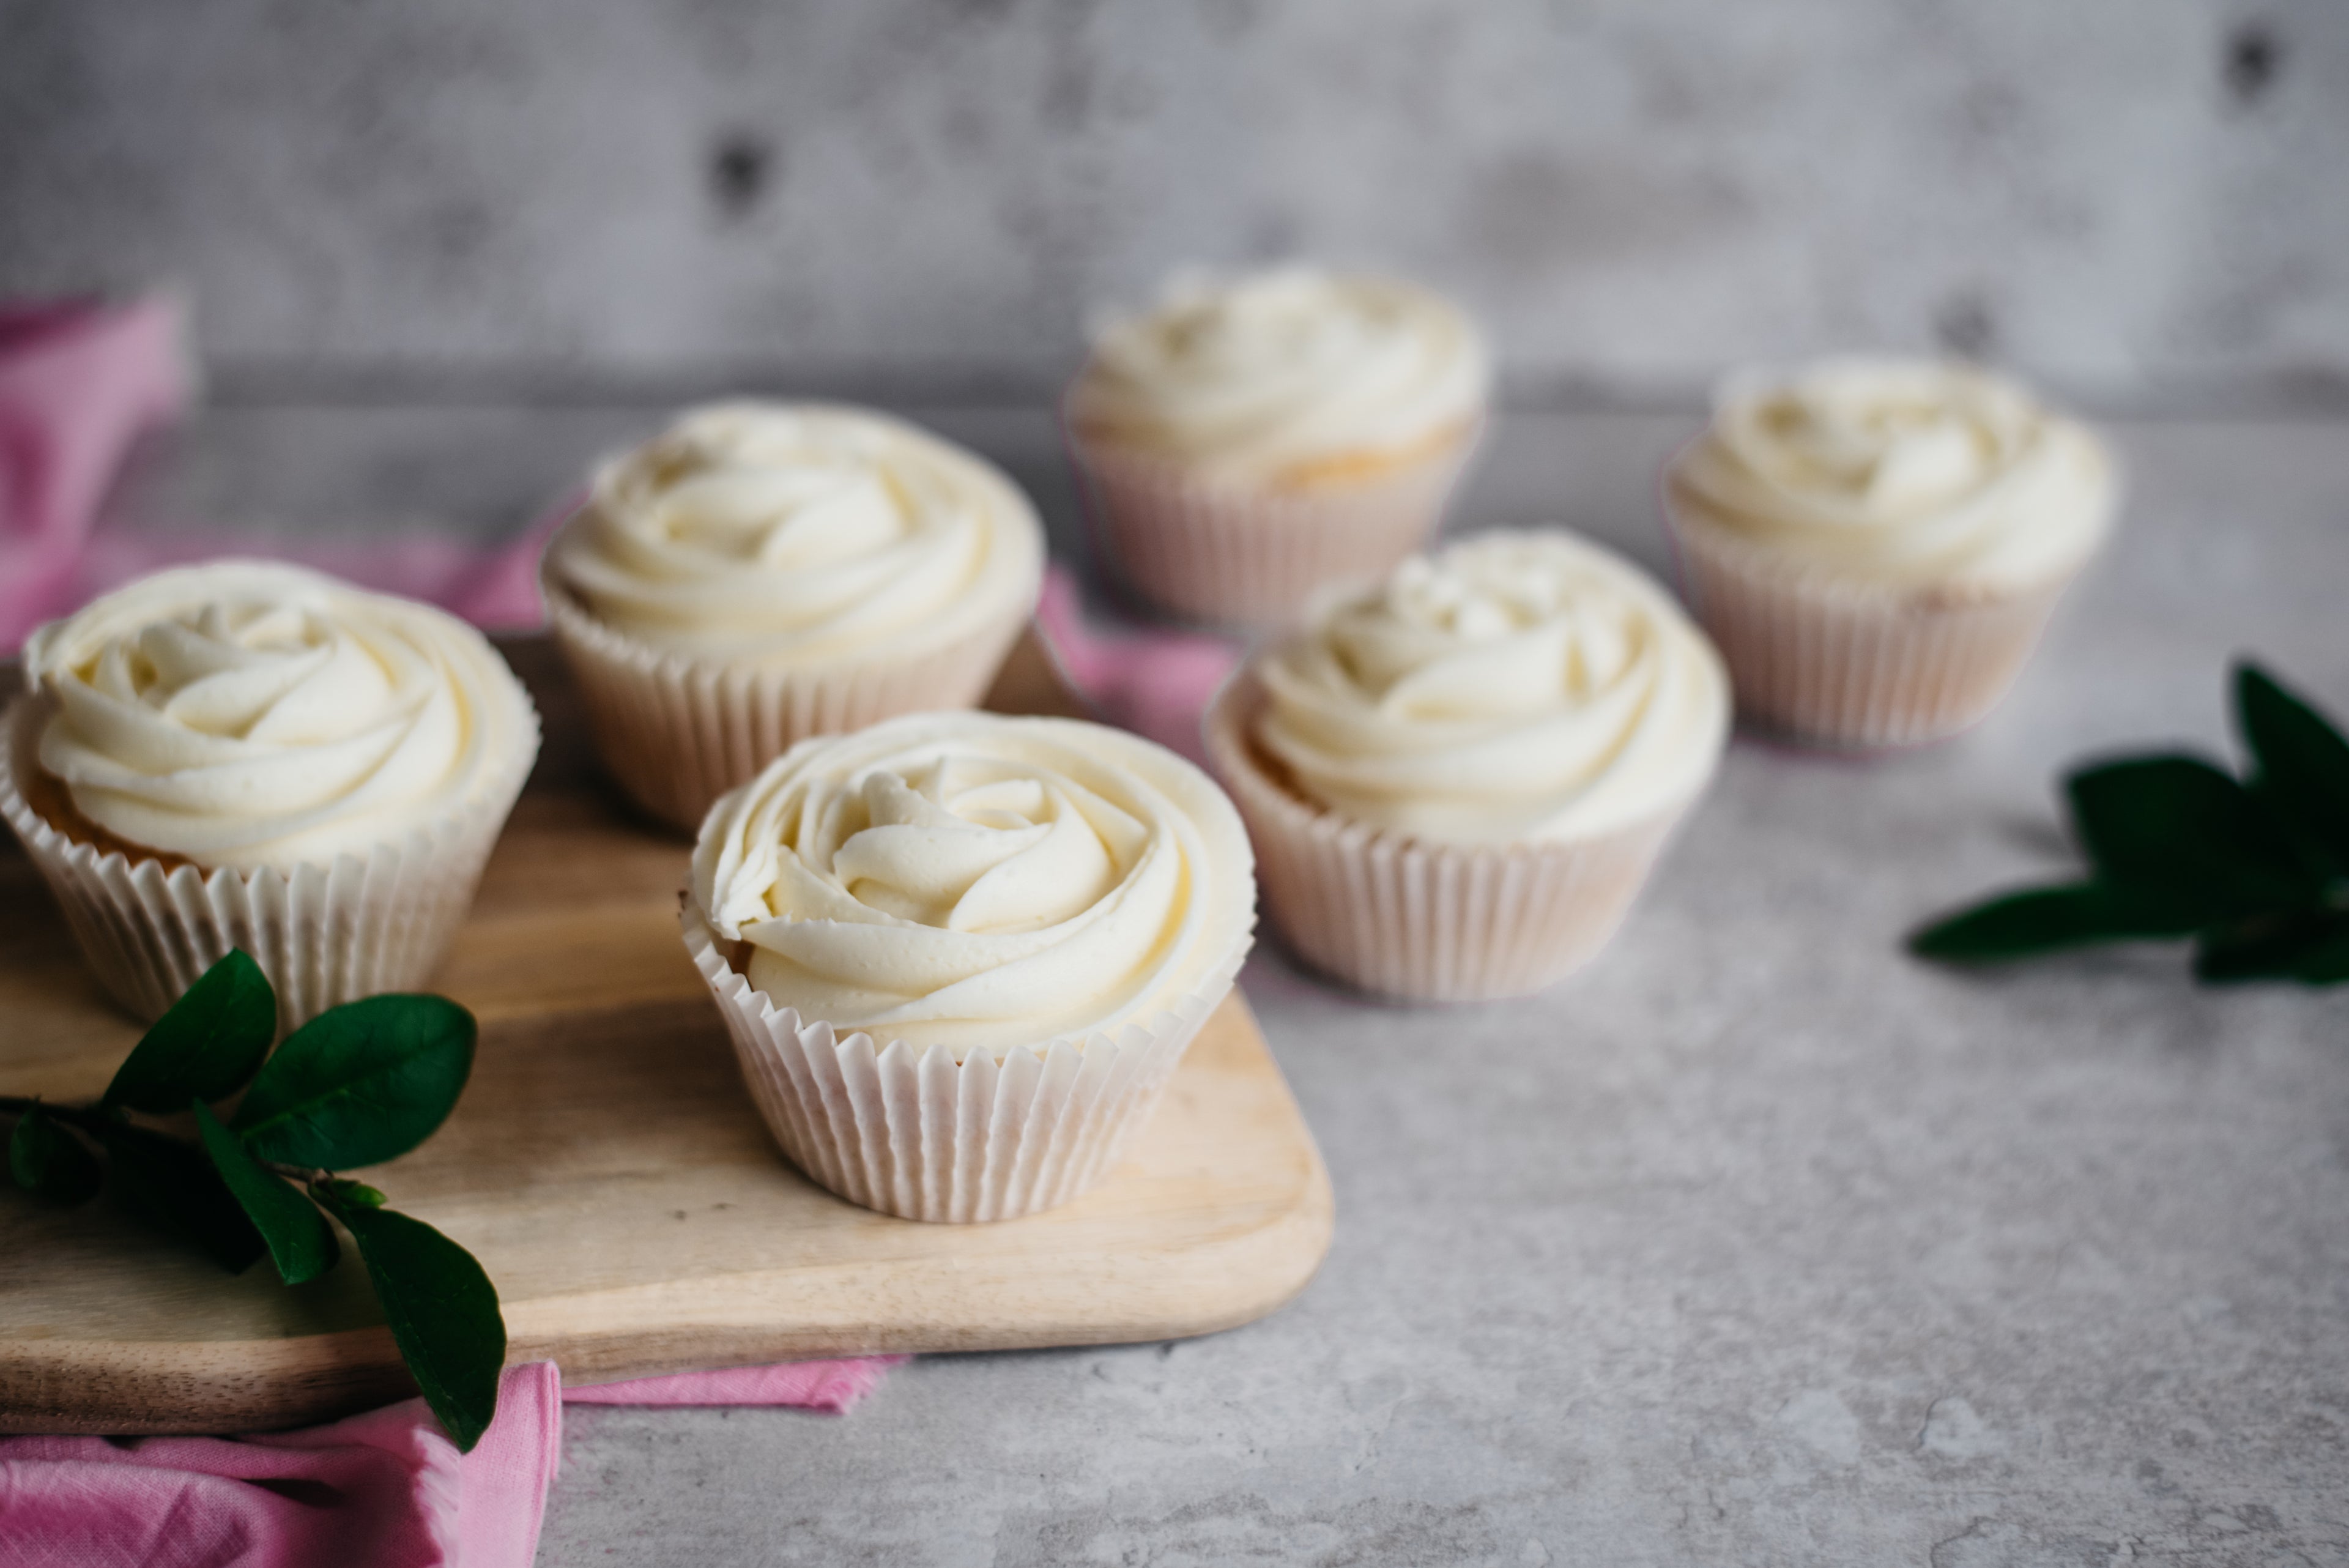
(94, 1121)
(89, 1119)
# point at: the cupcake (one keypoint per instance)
(1457, 780)
(1877, 544)
(764, 572)
(959, 954)
(1251, 442)
(252, 755)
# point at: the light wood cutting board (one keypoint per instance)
(610, 1172)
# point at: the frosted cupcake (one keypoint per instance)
(1458, 780)
(1250, 441)
(252, 755)
(959, 954)
(764, 572)
(1878, 544)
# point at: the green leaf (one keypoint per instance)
(206, 1046)
(441, 1307)
(361, 1083)
(301, 1243)
(171, 1185)
(2301, 770)
(2312, 947)
(49, 1162)
(2185, 839)
(2045, 919)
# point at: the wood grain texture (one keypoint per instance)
(610, 1171)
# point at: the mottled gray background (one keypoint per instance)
(2142, 201)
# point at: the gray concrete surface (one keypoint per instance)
(2119, 194)
(1756, 1243)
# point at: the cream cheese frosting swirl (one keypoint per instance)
(243, 714)
(799, 533)
(977, 881)
(1516, 687)
(1285, 376)
(1900, 472)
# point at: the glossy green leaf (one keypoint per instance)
(361, 1083)
(206, 1046)
(301, 1243)
(49, 1162)
(2312, 948)
(2045, 919)
(2180, 835)
(441, 1307)
(2301, 766)
(171, 1185)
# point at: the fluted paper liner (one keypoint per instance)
(1848, 662)
(1230, 554)
(1408, 917)
(325, 935)
(915, 1132)
(677, 731)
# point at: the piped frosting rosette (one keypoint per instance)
(762, 572)
(1457, 781)
(1877, 544)
(958, 954)
(250, 754)
(1251, 440)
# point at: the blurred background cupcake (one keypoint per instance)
(1457, 781)
(1877, 544)
(764, 572)
(1251, 439)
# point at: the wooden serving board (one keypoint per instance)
(611, 1175)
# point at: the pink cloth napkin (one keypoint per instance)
(832, 1385)
(386, 1490)
(78, 382)
(1156, 684)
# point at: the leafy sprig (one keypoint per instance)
(2255, 869)
(357, 1085)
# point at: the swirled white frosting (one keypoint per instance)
(245, 713)
(1515, 687)
(799, 533)
(1901, 471)
(1278, 376)
(977, 881)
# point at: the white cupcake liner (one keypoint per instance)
(677, 731)
(1233, 555)
(915, 1132)
(325, 935)
(1851, 663)
(1407, 918)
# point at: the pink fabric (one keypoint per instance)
(80, 380)
(386, 1490)
(832, 1385)
(1156, 684)
(495, 587)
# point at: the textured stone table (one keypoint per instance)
(1757, 1242)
